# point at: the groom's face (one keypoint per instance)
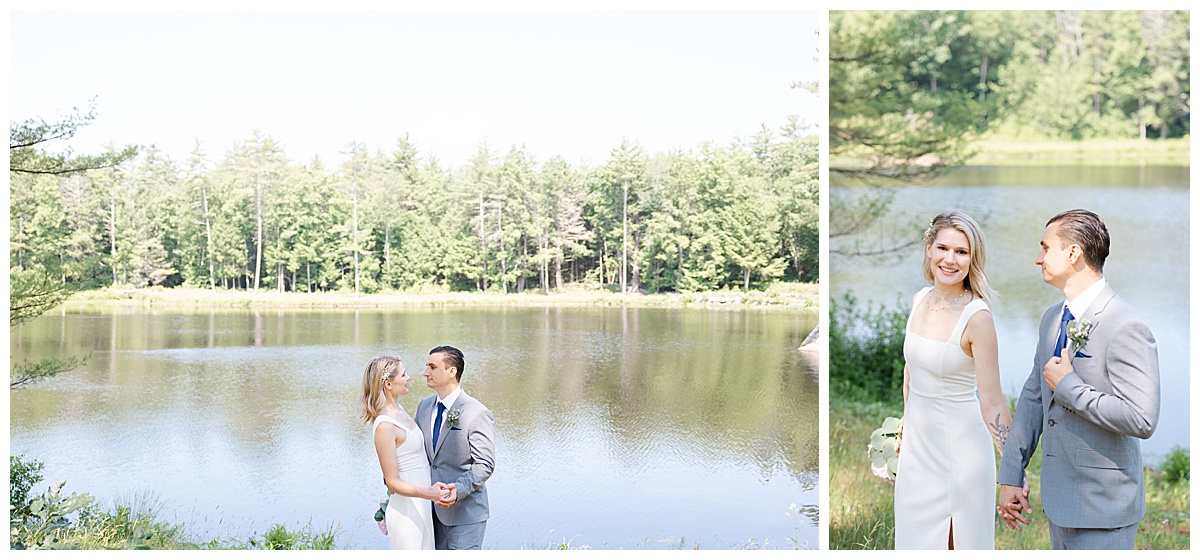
(436, 373)
(1054, 258)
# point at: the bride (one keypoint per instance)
(401, 449)
(954, 409)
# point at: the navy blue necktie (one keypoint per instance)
(437, 424)
(1062, 331)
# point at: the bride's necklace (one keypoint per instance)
(945, 304)
(400, 414)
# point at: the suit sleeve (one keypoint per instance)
(1025, 432)
(1026, 427)
(482, 443)
(1131, 408)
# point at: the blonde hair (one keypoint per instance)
(976, 280)
(379, 371)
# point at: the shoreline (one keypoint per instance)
(779, 295)
(1115, 152)
(995, 151)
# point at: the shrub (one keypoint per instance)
(47, 522)
(1177, 466)
(278, 537)
(866, 351)
(22, 475)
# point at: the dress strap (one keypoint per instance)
(385, 418)
(968, 311)
(917, 299)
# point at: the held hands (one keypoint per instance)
(1056, 369)
(448, 497)
(439, 491)
(1012, 501)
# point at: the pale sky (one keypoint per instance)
(569, 83)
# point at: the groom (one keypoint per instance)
(458, 440)
(1093, 392)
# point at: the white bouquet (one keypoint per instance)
(883, 451)
(381, 516)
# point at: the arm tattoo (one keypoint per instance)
(999, 433)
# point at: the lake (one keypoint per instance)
(615, 427)
(1145, 209)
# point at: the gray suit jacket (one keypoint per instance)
(465, 456)
(1089, 427)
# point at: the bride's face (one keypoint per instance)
(949, 257)
(398, 385)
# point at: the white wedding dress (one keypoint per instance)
(947, 469)
(409, 520)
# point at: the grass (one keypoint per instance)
(861, 509)
(860, 504)
(55, 520)
(780, 294)
(993, 150)
(1005, 151)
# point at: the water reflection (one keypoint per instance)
(616, 428)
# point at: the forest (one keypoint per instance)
(737, 215)
(915, 89)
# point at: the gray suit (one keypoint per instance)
(1089, 427)
(465, 457)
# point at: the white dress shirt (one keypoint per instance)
(448, 401)
(1080, 304)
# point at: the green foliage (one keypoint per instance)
(26, 140)
(866, 351)
(860, 504)
(51, 199)
(910, 89)
(22, 475)
(47, 523)
(42, 522)
(26, 373)
(899, 102)
(734, 216)
(279, 537)
(32, 293)
(1177, 467)
(1167, 523)
(128, 528)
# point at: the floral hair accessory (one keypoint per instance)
(929, 230)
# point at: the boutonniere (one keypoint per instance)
(1078, 332)
(453, 416)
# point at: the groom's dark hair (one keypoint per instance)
(454, 359)
(1087, 230)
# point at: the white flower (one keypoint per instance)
(1078, 332)
(882, 449)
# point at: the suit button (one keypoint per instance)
(1051, 422)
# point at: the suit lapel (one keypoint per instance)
(1049, 341)
(1050, 337)
(1099, 305)
(426, 429)
(1095, 313)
